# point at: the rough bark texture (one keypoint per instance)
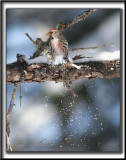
(43, 72)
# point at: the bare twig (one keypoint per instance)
(9, 148)
(13, 98)
(79, 57)
(38, 43)
(71, 90)
(30, 39)
(61, 26)
(104, 45)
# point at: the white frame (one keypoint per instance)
(119, 5)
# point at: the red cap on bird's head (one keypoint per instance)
(53, 30)
(50, 32)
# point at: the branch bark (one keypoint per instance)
(43, 72)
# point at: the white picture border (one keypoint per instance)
(105, 5)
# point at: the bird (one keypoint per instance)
(59, 44)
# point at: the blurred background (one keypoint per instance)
(50, 118)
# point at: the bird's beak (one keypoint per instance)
(49, 34)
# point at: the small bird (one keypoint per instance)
(59, 44)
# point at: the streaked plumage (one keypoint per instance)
(59, 44)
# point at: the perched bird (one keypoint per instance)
(59, 44)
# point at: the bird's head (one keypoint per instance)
(51, 32)
(54, 33)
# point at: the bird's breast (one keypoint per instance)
(56, 46)
(55, 43)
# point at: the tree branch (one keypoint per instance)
(9, 148)
(45, 72)
(61, 26)
(77, 49)
(8, 145)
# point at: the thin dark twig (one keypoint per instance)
(71, 90)
(38, 43)
(104, 45)
(79, 57)
(30, 39)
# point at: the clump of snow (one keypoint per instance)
(39, 59)
(44, 59)
(101, 56)
(107, 56)
(70, 60)
(59, 59)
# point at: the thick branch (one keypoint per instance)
(45, 72)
